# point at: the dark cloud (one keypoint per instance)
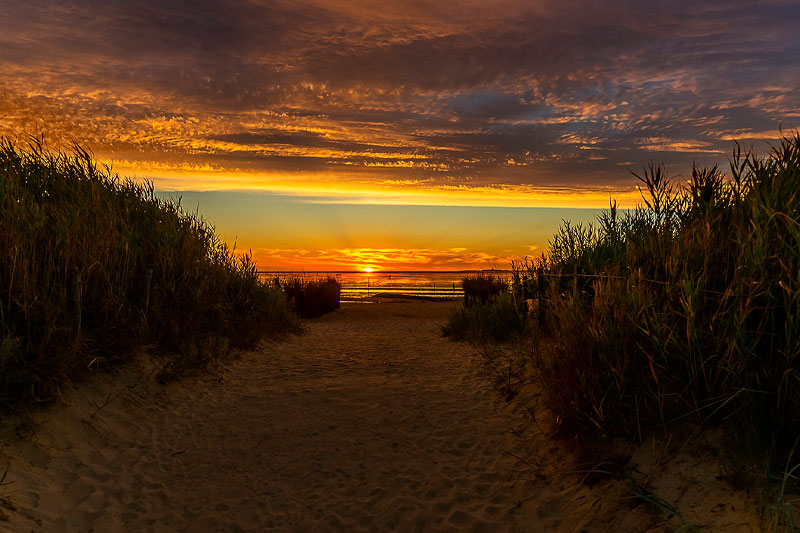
(506, 92)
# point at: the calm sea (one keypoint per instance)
(357, 285)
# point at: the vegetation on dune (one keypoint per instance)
(684, 310)
(312, 298)
(687, 306)
(480, 288)
(488, 313)
(93, 266)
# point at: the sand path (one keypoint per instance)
(368, 421)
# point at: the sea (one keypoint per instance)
(357, 285)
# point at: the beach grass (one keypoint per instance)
(678, 316)
(498, 319)
(311, 298)
(488, 313)
(685, 310)
(94, 266)
(482, 287)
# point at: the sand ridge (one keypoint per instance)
(369, 421)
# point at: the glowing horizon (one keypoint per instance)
(299, 233)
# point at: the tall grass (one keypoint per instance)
(687, 308)
(92, 266)
(498, 319)
(480, 288)
(312, 298)
(489, 312)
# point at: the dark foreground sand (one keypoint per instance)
(370, 421)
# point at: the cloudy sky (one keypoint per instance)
(397, 119)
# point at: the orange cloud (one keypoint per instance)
(353, 188)
(380, 259)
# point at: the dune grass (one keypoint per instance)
(680, 315)
(312, 298)
(480, 288)
(93, 267)
(498, 319)
(489, 312)
(685, 310)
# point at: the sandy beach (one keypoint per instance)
(369, 421)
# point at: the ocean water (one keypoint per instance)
(357, 285)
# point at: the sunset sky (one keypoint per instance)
(428, 134)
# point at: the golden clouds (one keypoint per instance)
(356, 189)
(378, 259)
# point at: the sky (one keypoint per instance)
(426, 134)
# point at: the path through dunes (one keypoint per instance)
(369, 420)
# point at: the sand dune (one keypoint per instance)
(370, 421)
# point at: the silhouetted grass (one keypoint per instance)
(313, 298)
(488, 313)
(687, 309)
(498, 319)
(93, 266)
(480, 288)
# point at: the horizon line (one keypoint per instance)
(381, 271)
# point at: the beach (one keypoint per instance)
(368, 421)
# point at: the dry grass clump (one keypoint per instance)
(489, 311)
(687, 309)
(313, 298)
(480, 288)
(499, 319)
(93, 266)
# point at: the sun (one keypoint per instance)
(368, 269)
